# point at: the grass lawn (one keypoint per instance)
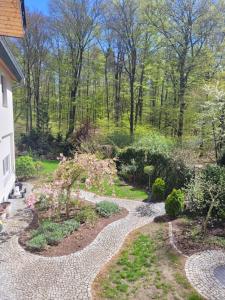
(120, 190)
(49, 166)
(146, 268)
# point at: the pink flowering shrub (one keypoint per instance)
(96, 170)
(67, 173)
(58, 193)
(31, 200)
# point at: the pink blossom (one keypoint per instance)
(31, 200)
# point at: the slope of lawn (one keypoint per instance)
(120, 190)
(48, 166)
(146, 268)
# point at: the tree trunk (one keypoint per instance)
(182, 89)
(73, 94)
(131, 105)
(139, 104)
(107, 85)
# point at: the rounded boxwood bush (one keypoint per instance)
(25, 167)
(158, 189)
(106, 209)
(174, 203)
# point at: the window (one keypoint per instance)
(6, 165)
(4, 91)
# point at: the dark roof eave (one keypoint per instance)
(10, 61)
(23, 13)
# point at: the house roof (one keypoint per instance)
(9, 62)
(12, 18)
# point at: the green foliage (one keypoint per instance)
(38, 242)
(119, 189)
(107, 209)
(194, 296)
(49, 166)
(119, 138)
(158, 189)
(175, 203)
(155, 143)
(71, 225)
(25, 167)
(51, 233)
(149, 170)
(87, 215)
(43, 144)
(174, 171)
(133, 264)
(128, 172)
(208, 186)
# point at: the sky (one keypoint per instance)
(40, 5)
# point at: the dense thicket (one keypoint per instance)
(124, 62)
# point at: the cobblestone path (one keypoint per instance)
(206, 272)
(24, 276)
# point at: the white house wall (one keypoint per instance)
(6, 140)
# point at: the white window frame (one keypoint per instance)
(4, 91)
(6, 165)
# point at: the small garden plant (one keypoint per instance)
(26, 167)
(174, 203)
(158, 189)
(51, 233)
(106, 209)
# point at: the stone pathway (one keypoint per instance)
(206, 272)
(25, 276)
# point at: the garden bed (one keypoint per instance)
(189, 238)
(78, 239)
(147, 267)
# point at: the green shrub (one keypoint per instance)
(106, 209)
(54, 237)
(200, 190)
(44, 144)
(38, 242)
(51, 233)
(129, 171)
(175, 172)
(70, 226)
(25, 167)
(155, 143)
(174, 203)
(158, 189)
(87, 215)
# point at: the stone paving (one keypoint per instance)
(206, 271)
(25, 276)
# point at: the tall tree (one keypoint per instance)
(76, 21)
(186, 25)
(125, 22)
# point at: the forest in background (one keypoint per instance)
(124, 65)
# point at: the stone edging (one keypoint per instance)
(66, 277)
(172, 241)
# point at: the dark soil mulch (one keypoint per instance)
(76, 241)
(190, 243)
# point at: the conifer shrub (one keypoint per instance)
(174, 203)
(158, 189)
